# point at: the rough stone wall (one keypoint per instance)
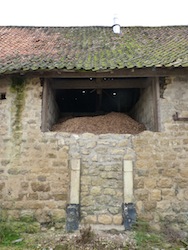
(34, 176)
(174, 99)
(161, 177)
(34, 166)
(143, 110)
(101, 174)
(161, 170)
(52, 111)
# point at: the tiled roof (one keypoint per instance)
(91, 48)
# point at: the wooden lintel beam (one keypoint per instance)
(135, 72)
(98, 84)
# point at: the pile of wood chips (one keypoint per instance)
(114, 123)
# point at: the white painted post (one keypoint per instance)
(128, 181)
(75, 182)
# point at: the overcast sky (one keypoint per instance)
(95, 12)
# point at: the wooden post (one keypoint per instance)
(156, 100)
(44, 106)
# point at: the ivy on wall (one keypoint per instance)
(18, 89)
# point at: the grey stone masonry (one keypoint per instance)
(35, 169)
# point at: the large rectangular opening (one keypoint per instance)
(67, 98)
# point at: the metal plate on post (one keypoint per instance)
(73, 217)
(129, 215)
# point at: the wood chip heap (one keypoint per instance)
(114, 123)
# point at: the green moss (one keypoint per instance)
(27, 218)
(18, 89)
(3, 215)
(24, 227)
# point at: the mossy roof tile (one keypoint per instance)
(91, 48)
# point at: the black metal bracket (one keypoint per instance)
(73, 217)
(129, 215)
(177, 118)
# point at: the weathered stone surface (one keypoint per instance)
(2, 185)
(114, 210)
(139, 183)
(141, 194)
(41, 178)
(186, 194)
(43, 216)
(35, 174)
(117, 219)
(104, 219)
(95, 191)
(155, 195)
(90, 219)
(184, 172)
(150, 205)
(60, 197)
(165, 183)
(32, 196)
(40, 187)
(58, 215)
(109, 191)
(150, 183)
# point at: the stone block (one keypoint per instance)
(141, 194)
(24, 185)
(2, 185)
(184, 172)
(43, 216)
(95, 191)
(150, 205)
(104, 219)
(168, 193)
(139, 207)
(117, 152)
(170, 172)
(44, 196)
(165, 183)
(138, 183)
(40, 187)
(58, 215)
(41, 178)
(96, 181)
(114, 210)
(117, 219)
(109, 191)
(90, 219)
(91, 144)
(58, 197)
(142, 172)
(26, 215)
(86, 180)
(182, 182)
(150, 183)
(85, 189)
(87, 201)
(164, 206)
(155, 195)
(32, 196)
(186, 194)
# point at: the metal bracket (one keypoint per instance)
(177, 118)
(129, 215)
(73, 217)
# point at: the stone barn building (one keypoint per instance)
(94, 126)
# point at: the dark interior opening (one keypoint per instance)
(96, 100)
(2, 96)
(66, 98)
